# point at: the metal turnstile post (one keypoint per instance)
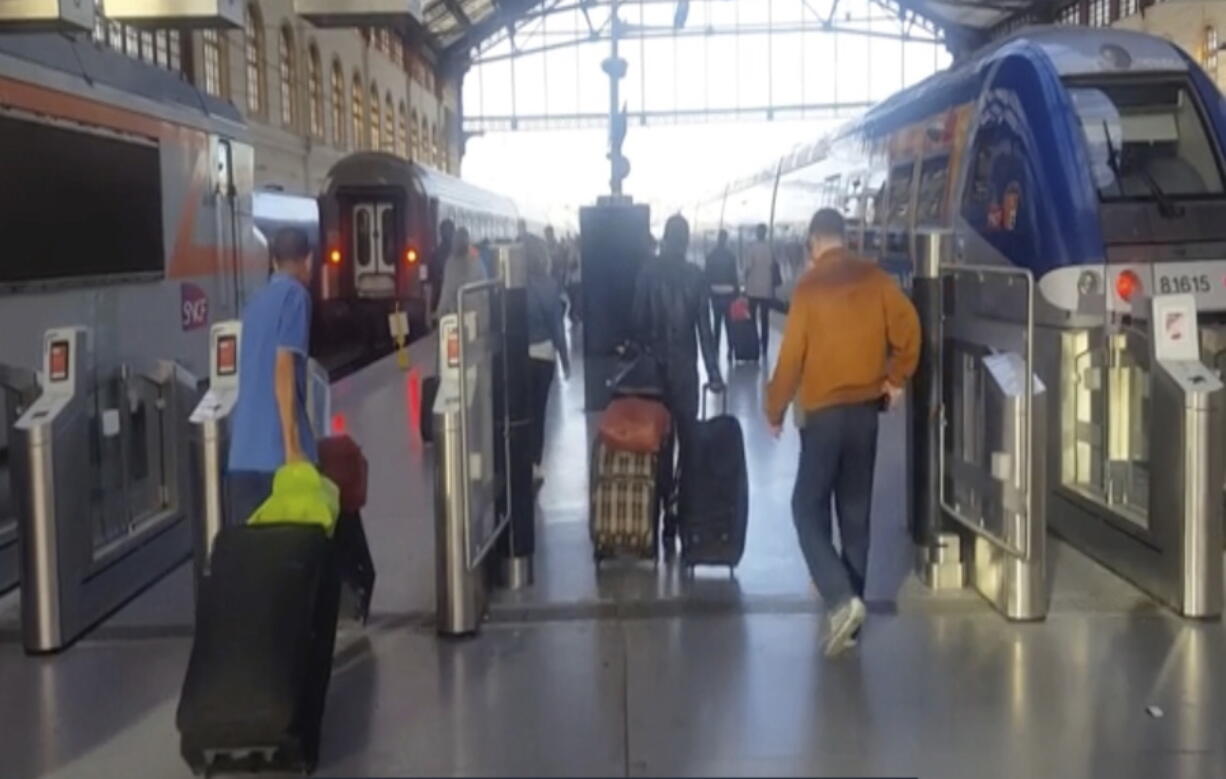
(938, 553)
(459, 592)
(212, 419)
(1187, 407)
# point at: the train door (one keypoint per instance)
(375, 241)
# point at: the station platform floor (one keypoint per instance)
(640, 670)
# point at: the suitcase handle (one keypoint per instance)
(723, 393)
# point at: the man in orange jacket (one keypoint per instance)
(851, 343)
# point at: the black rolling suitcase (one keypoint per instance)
(714, 493)
(743, 334)
(253, 698)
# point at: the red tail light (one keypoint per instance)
(1127, 284)
(410, 256)
(334, 256)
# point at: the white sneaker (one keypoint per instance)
(844, 623)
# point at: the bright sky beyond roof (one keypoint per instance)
(550, 173)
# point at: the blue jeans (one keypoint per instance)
(245, 492)
(838, 450)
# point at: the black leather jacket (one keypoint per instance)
(669, 315)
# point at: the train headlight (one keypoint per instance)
(1127, 284)
(410, 256)
(334, 256)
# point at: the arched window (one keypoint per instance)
(424, 148)
(413, 134)
(212, 46)
(338, 105)
(359, 113)
(389, 123)
(255, 59)
(376, 120)
(402, 140)
(286, 71)
(315, 91)
(1211, 51)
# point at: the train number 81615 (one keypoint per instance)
(1183, 284)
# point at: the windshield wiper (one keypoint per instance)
(1167, 207)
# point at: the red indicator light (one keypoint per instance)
(335, 257)
(1127, 284)
(410, 256)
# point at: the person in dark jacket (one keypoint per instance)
(436, 266)
(725, 285)
(546, 341)
(670, 316)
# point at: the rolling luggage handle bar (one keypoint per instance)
(708, 388)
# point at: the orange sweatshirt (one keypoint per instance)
(849, 330)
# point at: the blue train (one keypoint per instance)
(1069, 175)
(1056, 149)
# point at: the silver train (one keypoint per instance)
(126, 205)
(130, 217)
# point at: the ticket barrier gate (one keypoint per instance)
(977, 468)
(467, 487)
(1105, 423)
(211, 419)
(18, 388)
(1142, 455)
(103, 487)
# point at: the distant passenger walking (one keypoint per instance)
(436, 266)
(760, 284)
(270, 426)
(464, 267)
(670, 315)
(574, 284)
(546, 342)
(851, 343)
(725, 285)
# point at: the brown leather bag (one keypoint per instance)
(636, 425)
(342, 461)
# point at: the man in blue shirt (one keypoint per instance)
(270, 426)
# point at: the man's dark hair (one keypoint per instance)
(290, 244)
(446, 228)
(676, 234)
(761, 232)
(827, 223)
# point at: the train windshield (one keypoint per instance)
(1147, 141)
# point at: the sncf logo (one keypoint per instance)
(193, 306)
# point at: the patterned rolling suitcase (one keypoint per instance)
(625, 503)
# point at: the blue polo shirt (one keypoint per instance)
(277, 317)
